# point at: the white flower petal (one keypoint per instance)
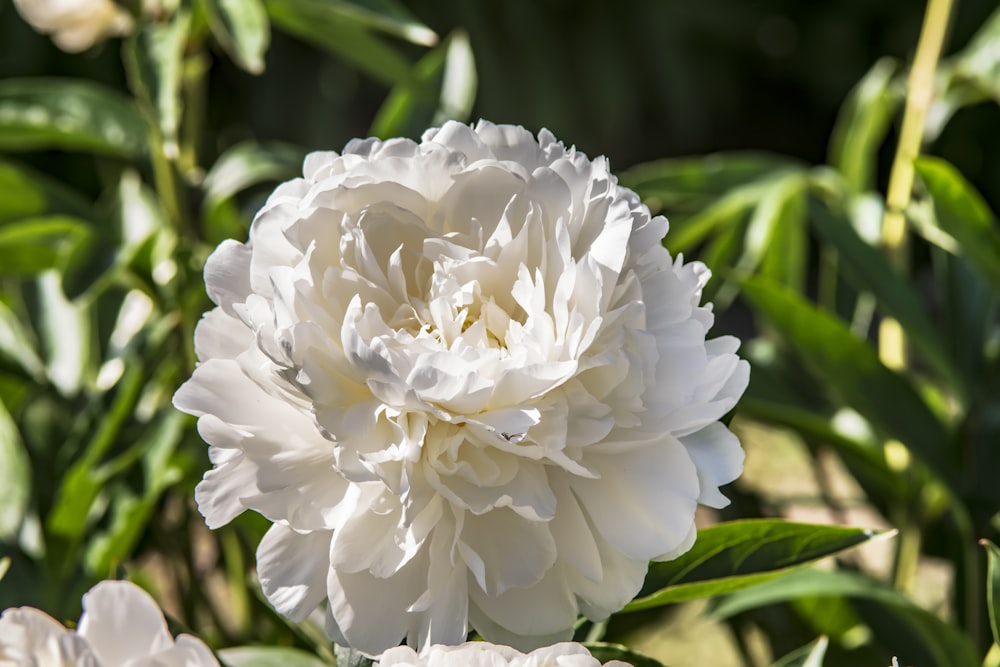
(292, 569)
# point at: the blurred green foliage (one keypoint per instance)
(765, 131)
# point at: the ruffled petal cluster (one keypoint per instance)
(75, 25)
(466, 383)
(484, 654)
(121, 626)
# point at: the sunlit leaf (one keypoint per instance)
(450, 68)
(348, 657)
(963, 214)
(247, 164)
(810, 655)
(993, 587)
(71, 115)
(17, 344)
(33, 245)
(157, 58)
(871, 270)
(65, 332)
(852, 370)
(733, 555)
(328, 26)
(921, 637)
(269, 656)
(15, 478)
(26, 193)
(4, 566)
(863, 123)
(605, 652)
(776, 222)
(243, 30)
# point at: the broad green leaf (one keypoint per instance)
(738, 554)
(17, 344)
(34, 245)
(65, 332)
(242, 28)
(15, 478)
(450, 68)
(963, 214)
(862, 125)
(26, 193)
(923, 636)
(247, 164)
(688, 184)
(993, 587)
(871, 270)
(327, 26)
(606, 652)
(853, 371)
(779, 217)
(390, 17)
(156, 57)
(71, 115)
(269, 656)
(810, 655)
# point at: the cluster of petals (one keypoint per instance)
(75, 25)
(466, 383)
(485, 654)
(121, 626)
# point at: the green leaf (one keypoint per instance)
(962, 213)
(451, 69)
(738, 554)
(17, 344)
(269, 656)
(15, 478)
(247, 164)
(34, 245)
(871, 270)
(69, 114)
(4, 566)
(65, 332)
(862, 125)
(606, 652)
(129, 516)
(243, 30)
(993, 587)
(853, 371)
(980, 59)
(390, 17)
(157, 57)
(810, 655)
(26, 193)
(777, 220)
(922, 636)
(328, 26)
(688, 185)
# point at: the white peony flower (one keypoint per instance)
(75, 25)
(466, 383)
(121, 625)
(484, 654)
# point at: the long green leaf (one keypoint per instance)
(247, 164)
(993, 587)
(810, 655)
(962, 213)
(388, 16)
(34, 245)
(158, 56)
(243, 30)
(26, 193)
(738, 554)
(871, 271)
(862, 125)
(449, 69)
(15, 478)
(269, 656)
(852, 370)
(923, 636)
(606, 652)
(70, 115)
(325, 25)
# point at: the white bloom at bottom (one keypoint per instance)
(484, 654)
(75, 25)
(121, 625)
(467, 384)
